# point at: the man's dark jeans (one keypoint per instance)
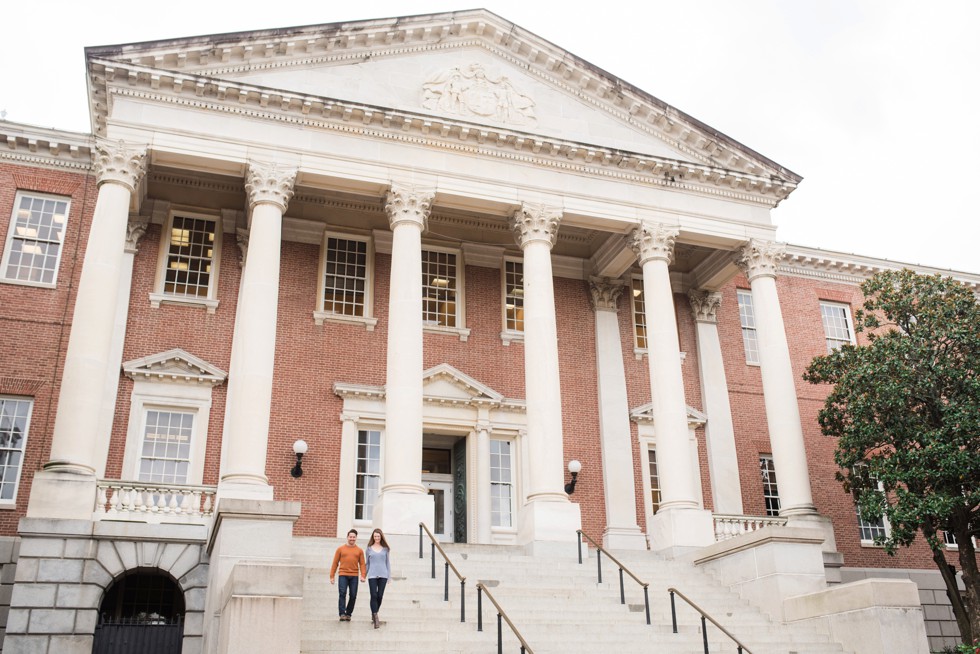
(345, 605)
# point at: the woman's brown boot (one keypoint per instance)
(374, 618)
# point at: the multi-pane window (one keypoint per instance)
(872, 529)
(513, 296)
(639, 314)
(654, 481)
(15, 418)
(166, 451)
(190, 256)
(367, 481)
(836, 324)
(439, 288)
(501, 483)
(37, 232)
(345, 276)
(770, 491)
(746, 315)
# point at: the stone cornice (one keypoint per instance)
(340, 42)
(432, 131)
(846, 268)
(41, 146)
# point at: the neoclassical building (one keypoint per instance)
(447, 256)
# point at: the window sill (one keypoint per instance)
(8, 505)
(871, 545)
(508, 337)
(23, 282)
(319, 317)
(461, 332)
(157, 299)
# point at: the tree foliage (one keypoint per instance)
(905, 408)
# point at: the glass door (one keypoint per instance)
(442, 495)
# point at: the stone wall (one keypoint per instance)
(9, 549)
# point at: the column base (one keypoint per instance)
(816, 521)
(400, 513)
(620, 538)
(541, 523)
(676, 532)
(62, 495)
(244, 490)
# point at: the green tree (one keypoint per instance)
(905, 409)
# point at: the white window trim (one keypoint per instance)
(8, 244)
(320, 315)
(11, 503)
(508, 336)
(158, 297)
(739, 292)
(367, 523)
(638, 352)
(884, 521)
(460, 330)
(847, 316)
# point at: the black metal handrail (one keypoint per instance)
(448, 565)
(622, 568)
(501, 617)
(742, 649)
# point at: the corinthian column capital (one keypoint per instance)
(135, 229)
(408, 204)
(535, 222)
(759, 258)
(604, 293)
(705, 305)
(119, 163)
(653, 241)
(269, 183)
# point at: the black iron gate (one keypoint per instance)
(130, 635)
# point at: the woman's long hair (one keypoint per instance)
(384, 543)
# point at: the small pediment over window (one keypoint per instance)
(446, 383)
(644, 414)
(175, 366)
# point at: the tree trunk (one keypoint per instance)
(971, 580)
(953, 592)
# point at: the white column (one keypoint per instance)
(403, 501)
(758, 260)
(726, 488)
(622, 530)
(548, 515)
(483, 505)
(246, 432)
(347, 479)
(76, 438)
(680, 522)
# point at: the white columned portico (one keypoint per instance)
(622, 530)
(548, 515)
(680, 523)
(404, 502)
(246, 433)
(66, 486)
(726, 488)
(758, 260)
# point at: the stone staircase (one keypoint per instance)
(555, 602)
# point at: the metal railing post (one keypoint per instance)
(646, 602)
(673, 612)
(704, 634)
(577, 532)
(420, 541)
(500, 634)
(432, 549)
(598, 560)
(462, 598)
(622, 589)
(445, 594)
(479, 607)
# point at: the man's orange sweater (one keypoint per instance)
(350, 560)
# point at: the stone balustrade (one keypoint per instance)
(730, 526)
(144, 502)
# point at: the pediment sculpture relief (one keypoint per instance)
(473, 91)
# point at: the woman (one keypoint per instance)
(378, 571)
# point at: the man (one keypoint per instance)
(349, 561)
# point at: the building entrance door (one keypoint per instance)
(441, 491)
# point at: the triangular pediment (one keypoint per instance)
(444, 382)
(464, 76)
(174, 366)
(644, 414)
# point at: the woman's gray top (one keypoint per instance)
(378, 563)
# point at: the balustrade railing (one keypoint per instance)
(144, 502)
(730, 526)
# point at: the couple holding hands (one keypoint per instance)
(351, 563)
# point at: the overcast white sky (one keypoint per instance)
(876, 103)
